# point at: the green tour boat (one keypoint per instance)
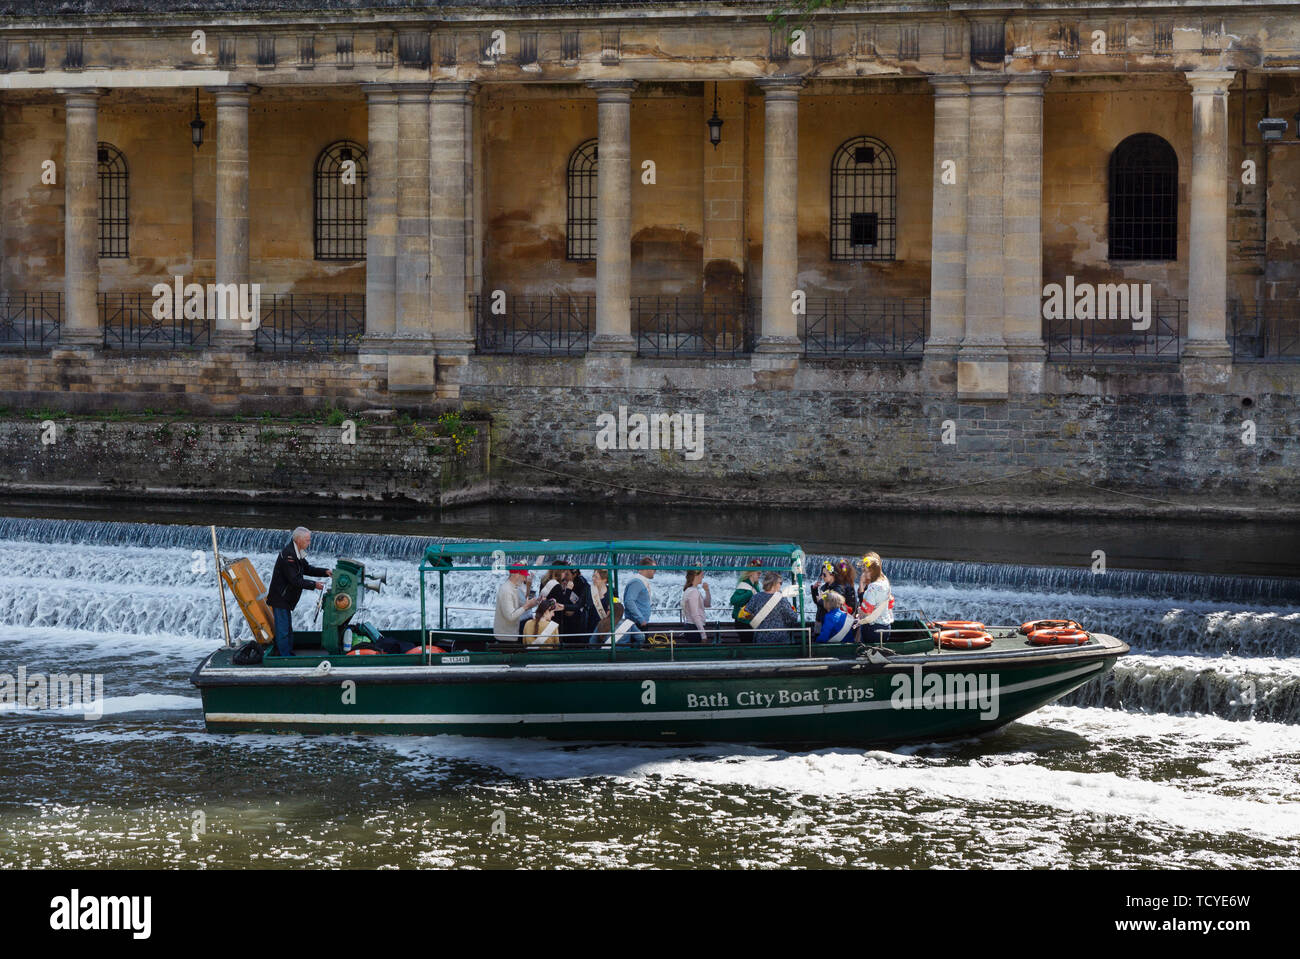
(920, 681)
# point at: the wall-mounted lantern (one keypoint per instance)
(715, 121)
(197, 124)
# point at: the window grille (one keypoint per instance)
(1143, 199)
(340, 207)
(114, 203)
(864, 201)
(581, 219)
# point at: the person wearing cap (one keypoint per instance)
(511, 606)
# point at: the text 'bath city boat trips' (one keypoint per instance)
(732, 681)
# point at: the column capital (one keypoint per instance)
(235, 92)
(81, 96)
(1027, 84)
(1211, 81)
(413, 91)
(381, 92)
(991, 85)
(612, 90)
(455, 90)
(949, 85)
(780, 87)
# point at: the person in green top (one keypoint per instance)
(744, 592)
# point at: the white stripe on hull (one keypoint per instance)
(448, 719)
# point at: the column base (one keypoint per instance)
(412, 373)
(233, 340)
(80, 340)
(983, 373)
(939, 371)
(773, 370)
(1207, 349)
(449, 367)
(454, 345)
(780, 346)
(612, 343)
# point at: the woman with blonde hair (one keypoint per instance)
(876, 612)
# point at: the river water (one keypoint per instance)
(1187, 756)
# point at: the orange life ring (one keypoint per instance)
(965, 639)
(364, 651)
(1027, 628)
(1058, 636)
(961, 624)
(420, 650)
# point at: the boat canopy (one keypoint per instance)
(604, 553)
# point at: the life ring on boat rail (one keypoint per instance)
(965, 639)
(1058, 636)
(364, 651)
(1027, 628)
(961, 624)
(421, 650)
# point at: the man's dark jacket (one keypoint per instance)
(287, 581)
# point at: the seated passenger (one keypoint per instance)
(876, 614)
(574, 595)
(769, 610)
(695, 600)
(837, 625)
(542, 630)
(636, 600)
(744, 592)
(598, 602)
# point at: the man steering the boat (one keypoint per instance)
(287, 583)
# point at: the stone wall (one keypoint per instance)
(185, 458)
(847, 432)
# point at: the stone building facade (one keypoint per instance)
(542, 208)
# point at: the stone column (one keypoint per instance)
(951, 179)
(779, 332)
(614, 217)
(81, 221)
(452, 331)
(231, 331)
(1207, 321)
(982, 361)
(381, 215)
(1022, 218)
(411, 359)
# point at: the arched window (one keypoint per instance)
(1144, 199)
(340, 202)
(864, 201)
(114, 203)
(580, 224)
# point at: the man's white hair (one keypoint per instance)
(299, 533)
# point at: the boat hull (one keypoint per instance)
(787, 701)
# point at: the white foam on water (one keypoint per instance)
(110, 706)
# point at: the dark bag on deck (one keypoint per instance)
(250, 654)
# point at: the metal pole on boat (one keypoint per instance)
(221, 586)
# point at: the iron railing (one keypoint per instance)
(1268, 330)
(311, 322)
(1115, 339)
(30, 320)
(866, 327)
(693, 326)
(535, 325)
(128, 323)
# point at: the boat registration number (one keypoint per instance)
(445, 660)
